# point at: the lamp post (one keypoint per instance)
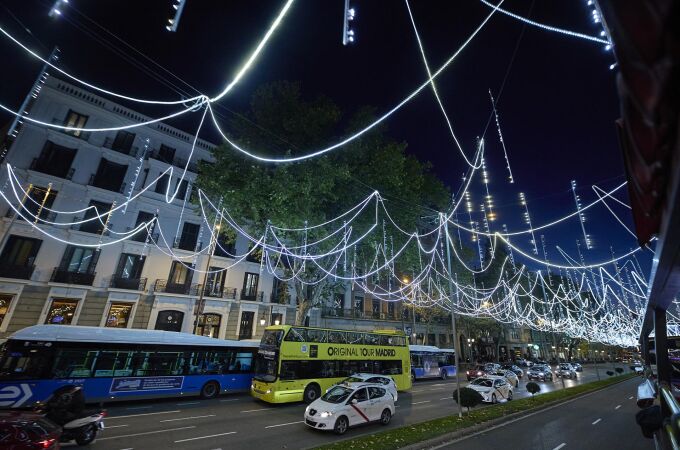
(211, 247)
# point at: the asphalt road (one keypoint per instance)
(602, 420)
(240, 422)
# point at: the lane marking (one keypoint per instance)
(187, 418)
(204, 437)
(617, 406)
(255, 410)
(188, 403)
(285, 424)
(445, 398)
(418, 403)
(597, 421)
(145, 433)
(138, 407)
(108, 427)
(140, 415)
(630, 398)
(563, 444)
(229, 399)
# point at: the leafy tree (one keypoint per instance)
(469, 398)
(610, 373)
(533, 388)
(281, 122)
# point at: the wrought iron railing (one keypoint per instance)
(135, 284)
(176, 288)
(60, 275)
(16, 271)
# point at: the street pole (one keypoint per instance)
(456, 350)
(199, 304)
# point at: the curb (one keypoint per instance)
(448, 438)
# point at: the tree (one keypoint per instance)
(533, 388)
(280, 121)
(469, 398)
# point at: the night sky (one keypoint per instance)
(557, 107)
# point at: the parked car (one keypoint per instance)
(477, 371)
(577, 366)
(508, 375)
(492, 388)
(387, 382)
(519, 372)
(344, 406)
(540, 372)
(20, 430)
(565, 370)
(490, 367)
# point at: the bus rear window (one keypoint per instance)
(272, 337)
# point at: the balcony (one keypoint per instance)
(252, 296)
(42, 166)
(44, 215)
(226, 293)
(132, 151)
(187, 243)
(60, 275)
(14, 271)
(133, 284)
(176, 288)
(358, 314)
(175, 161)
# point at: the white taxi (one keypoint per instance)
(371, 378)
(493, 388)
(346, 406)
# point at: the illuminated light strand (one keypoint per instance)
(500, 138)
(547, 27)
(581, 216)
(527, 220)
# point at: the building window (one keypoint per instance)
(19, 252)
(61, 311)
(225, 246)
(250, 281)
(166, 154)
(514, 334)
(142, 234)
(169, 320)
(119, 315)
(358, 303)
(375, 308)
(129, 272)
(38, 203)
(96, 225)
(179, 274)
(109, 176)
(277, 319)
(5, 302)
(189, 236)
(215, 282)
(246, 329)
(162, 184)
(75, 120)
(390, 310)
(183, 187)
(123, 142)
(209, 325)
(431, 339)
(55, 160)
(79, 259)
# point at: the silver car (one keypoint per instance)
(565, 370)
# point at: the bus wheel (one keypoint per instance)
(312, 392)
(444, 375)
(210, 390)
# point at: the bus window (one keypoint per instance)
(25, 364)
(354, 337)
(371, 339)
(316, 335)
(297, 335)
(164, 363)
(289, 370)
(244, 362)
(272, 337)
(74, 363)
(336, 337)
(109, 364)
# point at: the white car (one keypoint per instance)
(387, 382)
(493, 388)
(509, 375)
(346, 406)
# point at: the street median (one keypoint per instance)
(452, 427)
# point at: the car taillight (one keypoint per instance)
(47, 443)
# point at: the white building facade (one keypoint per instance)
(133, 283)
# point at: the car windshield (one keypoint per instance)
(336, 394)
(482, 382)
(539, 368)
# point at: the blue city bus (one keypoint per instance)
(119, 364)
(428, 361)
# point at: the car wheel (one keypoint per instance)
(444, 375)
(509, 395)
(413, 377)
(312, 392)
(210, 390)
(385, 417)
(517, 384)
(493, 398)
(86, 435)
(551, 378)
(341, 425)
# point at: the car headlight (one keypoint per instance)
(325, 414)
(269, 391)
(479, 373)
(540, 374)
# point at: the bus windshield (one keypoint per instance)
(337, 394)
(265, 368)
(272, 337)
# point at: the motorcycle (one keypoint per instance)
(66, 408)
